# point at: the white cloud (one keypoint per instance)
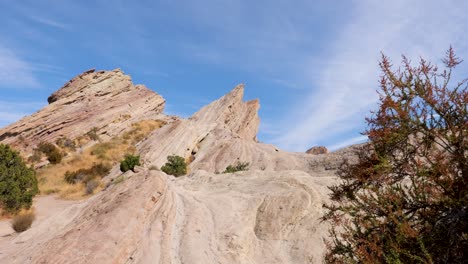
(48, 22)
(14, 71)
(345, 91)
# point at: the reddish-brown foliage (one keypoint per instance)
(406, 199)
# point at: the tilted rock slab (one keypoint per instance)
(107, 100)
(224, 133)
(247, 217)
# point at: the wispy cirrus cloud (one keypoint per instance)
(48, 22)
(345, 90)
(14, 71)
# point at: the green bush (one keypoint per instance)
(239, 166)
(129, 163)
(87, 175)
(18, 183)
(23, 222)
(51, 151)
(175, 166)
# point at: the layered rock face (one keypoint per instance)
(268, 214)
(248, 217)
(222, 134)
(107, 100)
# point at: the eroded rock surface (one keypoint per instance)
(268, 214)
(106, 100)
(248, 217)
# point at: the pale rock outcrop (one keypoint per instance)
(248, 217)
(222, 134)
(268, 214)
(107, 100)
(231, 113)
(317, 150)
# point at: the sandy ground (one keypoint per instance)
(45, 206)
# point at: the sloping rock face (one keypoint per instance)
(107, 100)
(231, 113)
(268, 214)
(248, 217)
(222, 134)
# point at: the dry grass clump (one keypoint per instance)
(23, 221)
(91, 186)
(86, 175)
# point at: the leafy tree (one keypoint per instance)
(129, 163)
(175, 166)
(240, 166)
(406, 198)
(18, 183)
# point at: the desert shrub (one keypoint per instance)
(51, 151)
(100, 150)
(91, 186)
(129, 162)
(65, 142)
(23, 222)
(92, 134)
(175, 166)
(35, 157)
(86, 175)
(18, 182)
(405, 200)
(239, 166)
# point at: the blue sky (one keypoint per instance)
(312, 64)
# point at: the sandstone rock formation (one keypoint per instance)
(107, 100)
(268, 214)
(317, 150)
(248, 217)
(223, 133)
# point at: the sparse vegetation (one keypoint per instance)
(406, 198)
(119, 179)
(91, 186)
(175, 165)
(35, 157)
(51, 151)
(100, 150)
(87, 175)
(51, 178)
(92, 134)
(129, 162)
(239, 166)
(23, 221)
(67, 143)
(18, 183)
